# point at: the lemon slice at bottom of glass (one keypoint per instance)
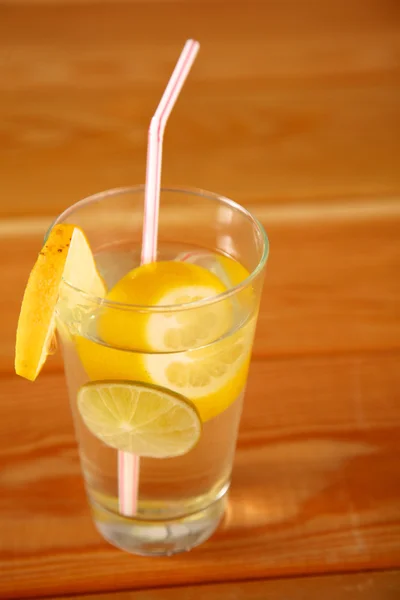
(143, 419)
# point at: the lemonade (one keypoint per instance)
(156, 360)
(206, 365)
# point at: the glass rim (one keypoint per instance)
(103, 302)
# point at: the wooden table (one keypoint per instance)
(293, 108)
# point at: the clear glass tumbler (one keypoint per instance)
(169, 504)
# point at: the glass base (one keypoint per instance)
(158, 538)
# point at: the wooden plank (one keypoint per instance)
(331, 284)
(315, 486)
(360, 586)
(290, 106)
(285, 101)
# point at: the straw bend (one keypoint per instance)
(154, 149)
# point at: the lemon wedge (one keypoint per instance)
(144, 420)
(65, 255)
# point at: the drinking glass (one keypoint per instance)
(169, 504)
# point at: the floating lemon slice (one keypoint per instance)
(165, 284)
(210, 371)
(212, 377)
(141, 419)
(66, 254)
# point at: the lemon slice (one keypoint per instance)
(165, 284)
(211, 376)
(66, 254)
(144, 420)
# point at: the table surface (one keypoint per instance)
(293, 108)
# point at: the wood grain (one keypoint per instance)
(289, 100)
(363, 586)
(315, 486)
(293, 109)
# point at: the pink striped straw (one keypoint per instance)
(154, 149)
(129, 464)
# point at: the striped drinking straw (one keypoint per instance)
(129, 464)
